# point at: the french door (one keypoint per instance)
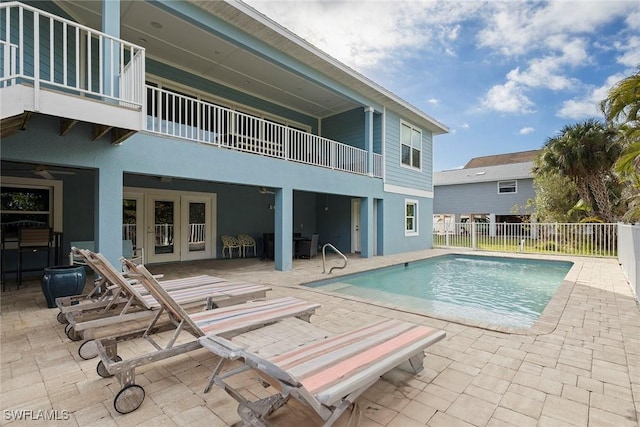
(175, 225)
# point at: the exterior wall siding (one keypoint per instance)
(480, 198)
(395, 174)
(395, 240)
(346, 127)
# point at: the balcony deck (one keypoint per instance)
(85, 75)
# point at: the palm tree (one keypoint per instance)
(623, 106)
(585, 153)
(628, 167)
(623, 103)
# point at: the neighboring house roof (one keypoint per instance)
(484, 174)
(502, 159)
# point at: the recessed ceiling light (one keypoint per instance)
(155, 24)
(143, 40)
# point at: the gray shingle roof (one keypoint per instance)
(503, 159)
(484, 174)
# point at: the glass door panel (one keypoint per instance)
(164, 222)
(197, 227)
(196, 216)
(130, 221)
(163, 229)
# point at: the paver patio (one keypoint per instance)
(580, 367)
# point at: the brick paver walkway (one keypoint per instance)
(579, 367)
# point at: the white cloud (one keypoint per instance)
(588, 105)
(464, 125)
(365, 34)
(515, 28)
(630, 52)
(508, 98)
(578, 109)
(433, 101)
(526, 130)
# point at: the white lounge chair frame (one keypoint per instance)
(227, 321)
(137, 306)
(100, 303)
(329, 375)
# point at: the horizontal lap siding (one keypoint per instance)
(480, 198)
(347, 128)
(395, 174)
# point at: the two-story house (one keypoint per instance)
(487, 189)
(172, 123)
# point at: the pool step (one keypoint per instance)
(336, 286)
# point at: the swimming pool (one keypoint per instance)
(509, 292)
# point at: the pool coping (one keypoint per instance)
(545, 324)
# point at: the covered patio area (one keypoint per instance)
(584, 369)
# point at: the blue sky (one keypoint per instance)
(502, 75)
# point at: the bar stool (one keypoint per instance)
(32, 240)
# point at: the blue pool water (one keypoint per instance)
(501, 291)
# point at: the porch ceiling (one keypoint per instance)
(189, 47)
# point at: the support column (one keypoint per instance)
(366, 227)
(492, 225)
(108, 213)
(368, 138)
(111, 51)
(283, 249)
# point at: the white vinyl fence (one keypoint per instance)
(549, 238)
(629, 254)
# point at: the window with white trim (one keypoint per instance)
(410, 146)
(507, 187)
(410, 217)
(30, 203)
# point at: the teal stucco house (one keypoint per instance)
(172, 123)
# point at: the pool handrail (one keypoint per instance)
(338, 252)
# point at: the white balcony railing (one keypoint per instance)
(45, 50)
(172, 114)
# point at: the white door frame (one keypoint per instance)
(185, 201)
(355, 225)
(150, 232)
(145, 198)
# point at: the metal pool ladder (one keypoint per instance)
(337, 251)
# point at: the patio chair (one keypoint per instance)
(307, 248)
(328, 375)
(227, 321)
(230, 243)
(138, 307)
(247, 242)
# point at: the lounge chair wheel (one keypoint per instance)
(62, 318)
(88, 350)
(128, 399)
(72, 334)
(102, 370)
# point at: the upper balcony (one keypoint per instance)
(55, 66)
